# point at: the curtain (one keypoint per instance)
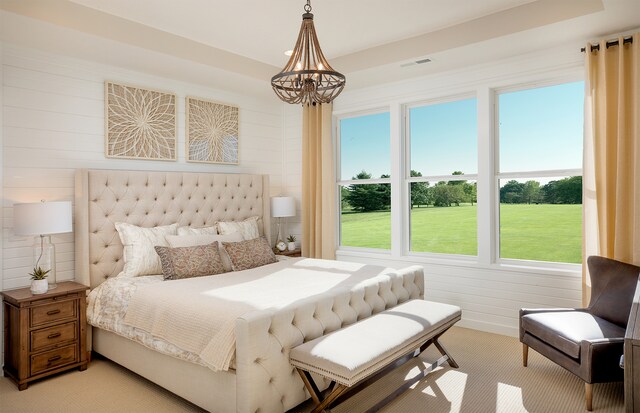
(611, 169)
(318, 183)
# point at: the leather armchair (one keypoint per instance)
(586, 341)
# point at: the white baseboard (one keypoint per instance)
(489, 327)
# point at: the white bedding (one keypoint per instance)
(107, 305)
(171, 311)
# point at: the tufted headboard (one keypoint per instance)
(149, 199)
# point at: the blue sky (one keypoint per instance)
(539, 129)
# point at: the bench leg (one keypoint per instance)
(407, 384)
(316, 395)
(340, 388)
(444, 352)
(335, 390)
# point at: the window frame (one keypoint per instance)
(483, 87)
(497, 175)
(340, 182)
(408, 179)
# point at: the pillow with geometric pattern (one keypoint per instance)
(250, 253)
(187, 262)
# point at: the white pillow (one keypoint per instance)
(197, 231)
(248, 228)
(140, 257)
(205, 239)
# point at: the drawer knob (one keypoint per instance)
(54, 335)
(54, 358)
(52, 312)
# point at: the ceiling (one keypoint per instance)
(263, 30)
(368, 40)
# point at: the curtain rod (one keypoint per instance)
(609, 44)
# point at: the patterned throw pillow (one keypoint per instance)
(248, 228)
(193, 240)
(187, 262)
(138, 242)
(249, 254)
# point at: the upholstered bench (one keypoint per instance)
(361, 353)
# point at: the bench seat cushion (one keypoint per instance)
(349, 355)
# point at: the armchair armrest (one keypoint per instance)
(525, 311)
(602, 341)
(600, 359)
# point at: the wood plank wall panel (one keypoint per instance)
(292, 168)
(53, 111)
(489, 298)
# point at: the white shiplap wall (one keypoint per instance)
(53, 123)
(489, 293)
(292, 166)
(1, 174)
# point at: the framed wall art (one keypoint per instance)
(139, 123)
(212, 132)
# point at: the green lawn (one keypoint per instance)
(532, 232)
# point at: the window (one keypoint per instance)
(539, 175)
(364, 183)
(442, 141)
(515, 150)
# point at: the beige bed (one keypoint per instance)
(262, 380)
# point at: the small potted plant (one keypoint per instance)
(39, 284)
(291, 242)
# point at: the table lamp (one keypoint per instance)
(43, 219)
(282, 207)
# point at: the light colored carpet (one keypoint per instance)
(490, 379)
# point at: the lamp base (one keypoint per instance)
(44, 256)
(279, 237)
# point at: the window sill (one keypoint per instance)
(532, 267)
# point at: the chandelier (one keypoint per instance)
(308, 78)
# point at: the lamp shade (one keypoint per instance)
(283, 206)
(42, 218)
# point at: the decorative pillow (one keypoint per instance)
(197, 231)
(193, 240)
(187, 262)
(139, 255)
(249, 254)
(248, 228)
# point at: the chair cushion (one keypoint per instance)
(565, 330)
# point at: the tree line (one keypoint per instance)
(562, 191)
(377, 197)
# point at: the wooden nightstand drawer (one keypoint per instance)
(51, 336)
(53, 358)
(46, 314)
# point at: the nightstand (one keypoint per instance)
(44, 334)
(295, 253)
